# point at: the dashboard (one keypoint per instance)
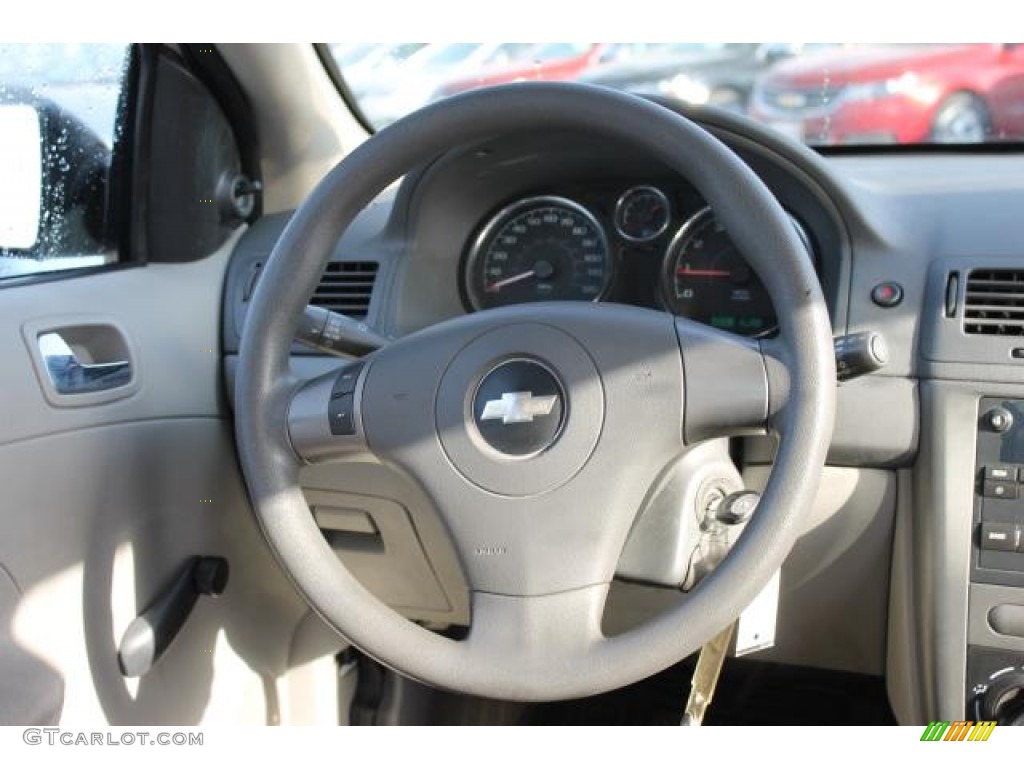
(892, 561)
(550, 215)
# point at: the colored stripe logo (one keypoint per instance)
(961, 730)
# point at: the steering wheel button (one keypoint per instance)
(346, 381)
(341, 416)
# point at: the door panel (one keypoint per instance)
(104, 502)
(33, 691)
(167, 311)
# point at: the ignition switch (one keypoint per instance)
(721, 516)
(732, 509)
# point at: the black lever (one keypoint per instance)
(337, 334)
(860, 353)
(152, 633)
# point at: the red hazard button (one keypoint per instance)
(887, 294)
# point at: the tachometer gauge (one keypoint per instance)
(642, 214)
(707, 279)
(538, 249)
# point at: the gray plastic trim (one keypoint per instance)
(903, 662)
(941, 535)
(381, 549)
(660, 548)
(726, 383)
(1008, 619)
(996, 618)
(834, 591)
(877, 420)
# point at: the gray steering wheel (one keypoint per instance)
(586, 405)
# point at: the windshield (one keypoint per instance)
(825, 94)
(443, 56)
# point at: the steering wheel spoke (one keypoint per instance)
(532, 635)
(325, 417)
(732, 386)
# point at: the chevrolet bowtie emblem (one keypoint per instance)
(518, 407)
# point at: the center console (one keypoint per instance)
(963, 553)
(995, 632)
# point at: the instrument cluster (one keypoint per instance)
(649, 244)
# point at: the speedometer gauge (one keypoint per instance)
(707, 279)
(538, 249)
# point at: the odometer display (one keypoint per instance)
(538, 249)
(707, 279)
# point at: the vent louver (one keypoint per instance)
(994, 305)
(346, 287)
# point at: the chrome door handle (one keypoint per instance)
(69, 376)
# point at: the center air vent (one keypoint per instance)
(346, 287)
(994, 304)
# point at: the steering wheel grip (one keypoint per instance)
(536, 623)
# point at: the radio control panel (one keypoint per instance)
(998, 546)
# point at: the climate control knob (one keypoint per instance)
(1003, 700)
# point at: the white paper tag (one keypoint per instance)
(756, 628)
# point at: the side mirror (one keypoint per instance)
(21, 168)
(55, 173)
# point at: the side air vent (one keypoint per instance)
(346, 287)
(994, 305)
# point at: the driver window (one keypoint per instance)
(59, 122)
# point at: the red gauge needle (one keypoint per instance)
(705, 272)
(497, 286)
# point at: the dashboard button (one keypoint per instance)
(887, 295)
(994, 489)
(998, 420)
(1001, 472)
(1001, 537)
